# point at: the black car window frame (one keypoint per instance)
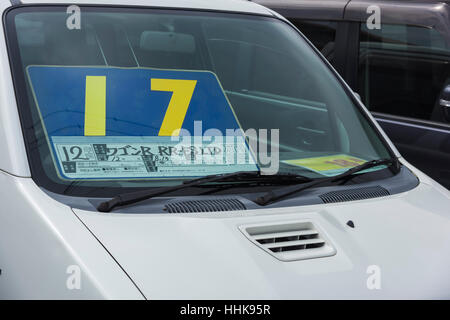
(395, 117)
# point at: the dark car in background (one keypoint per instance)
(401, 69)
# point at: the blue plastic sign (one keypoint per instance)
(112, 123)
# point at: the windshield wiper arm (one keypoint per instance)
(278, 194)
(134, 197)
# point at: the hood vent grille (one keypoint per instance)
(209, 205)
(288, 242)
(354, 194)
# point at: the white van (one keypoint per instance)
(198, 150)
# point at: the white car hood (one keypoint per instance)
(206, 256)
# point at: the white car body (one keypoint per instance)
(402, 239)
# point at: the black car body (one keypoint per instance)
(401, 70)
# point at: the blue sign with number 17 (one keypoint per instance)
(109, 101)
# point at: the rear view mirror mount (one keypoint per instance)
(167, 42)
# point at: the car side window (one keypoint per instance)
(403, 69)
(321, 33)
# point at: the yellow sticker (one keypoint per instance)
(178, 105)
(95, 109)
(328, 165)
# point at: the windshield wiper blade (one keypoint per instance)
(278, 194)
(134, 197)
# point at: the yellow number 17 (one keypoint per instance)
(95, 105)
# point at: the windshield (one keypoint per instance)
(137, 98)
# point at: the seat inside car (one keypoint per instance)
(43, 44)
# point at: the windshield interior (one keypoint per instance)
(101, 100)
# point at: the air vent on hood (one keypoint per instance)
(354, 194)
(209, 205)
(290, 241)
